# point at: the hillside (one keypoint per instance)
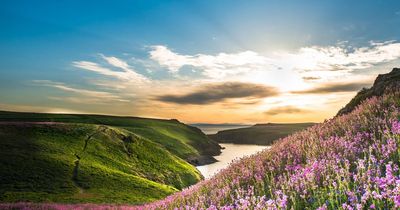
(348, 162)
(71, 162)
(261, 134)
(94, 158)
(383, 82)
(187, 142)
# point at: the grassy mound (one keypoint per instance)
(261, 134)
(71, 162)
(349, 162)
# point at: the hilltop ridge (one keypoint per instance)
(382, 83)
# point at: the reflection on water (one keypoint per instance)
(231, 152)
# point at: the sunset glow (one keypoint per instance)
(91, 67)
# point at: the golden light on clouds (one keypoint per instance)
(309, 84)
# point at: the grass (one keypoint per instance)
(50, 163)
(180, 139)
(261, 134)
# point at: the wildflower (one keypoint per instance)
(397, 201)
(396, 127)
(270, 203)
(323, 207)
(358, 206)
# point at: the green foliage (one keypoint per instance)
(74, 162)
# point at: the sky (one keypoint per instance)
(199, 61)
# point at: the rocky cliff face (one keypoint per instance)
(383, 82)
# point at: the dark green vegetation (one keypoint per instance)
(96, 159)
(389, 81)
(261, 134)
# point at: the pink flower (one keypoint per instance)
(397, 201)
(323, 207)
(396, 127)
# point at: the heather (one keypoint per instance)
(348, 162)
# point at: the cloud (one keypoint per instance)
(213, 66)
(326, 61)
(90, 94)
(285, 110)
(127, 73)
(213, 93)
(344, 58)
(334, 87)
(311, 78)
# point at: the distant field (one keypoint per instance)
(261, 134)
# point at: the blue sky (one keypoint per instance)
(44, 44)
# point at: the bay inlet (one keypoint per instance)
(230, 152)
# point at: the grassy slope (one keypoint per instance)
(262, 134)
(182, 140)
(38, 163)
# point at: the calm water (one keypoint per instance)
(231, 152)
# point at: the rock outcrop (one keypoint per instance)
(383, 82)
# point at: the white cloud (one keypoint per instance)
(323, 61)
(127, 73)
(117, 86)
(214, 66)
(90, 94)
(122, 84)
(336, 58)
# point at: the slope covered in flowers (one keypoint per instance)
(349, 162)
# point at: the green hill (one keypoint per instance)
(96, 159)
(261, 134)
(185, 141)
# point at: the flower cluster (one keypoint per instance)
(348, 162)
